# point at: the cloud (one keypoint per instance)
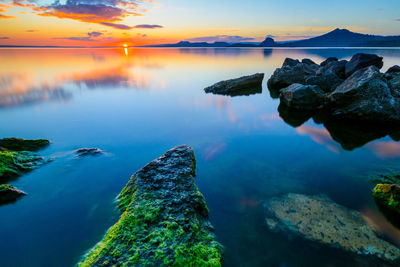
(147, 26)
(116, 26)
(4, 38)
(397, 19)
(221, 38)
(90, 37)
(31, 31)
(104, 12)
(94, 34)
(3, 8)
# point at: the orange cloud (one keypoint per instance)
(389, 149)
(320, 136)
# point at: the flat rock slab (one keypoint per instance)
(19, 144)
(245, 85)
(319, 219)
(164, 219)
(16, 163)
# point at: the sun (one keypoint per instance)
(125, 45)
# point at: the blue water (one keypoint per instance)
(137, 104)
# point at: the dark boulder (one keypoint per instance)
(164, 219)
(394, 84)
(303, 97)
(9, 194)
(327, 81)
(292, 71)
(365, 96)
(308, 61)
(393, 69)
(241, 86)
(360, 61)
(328, 60)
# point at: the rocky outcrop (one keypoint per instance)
(307, 97)
(9, 194)
(164, 219)
(388, 195)
(354, 90)
(19, 144)
(393, 69)
(319, 219)
(360, 61)
(245, 85)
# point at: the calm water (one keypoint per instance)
(135, 105)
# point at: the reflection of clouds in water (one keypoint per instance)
(22, 88)
(214, 150)
(377, 222)
(320, 136)
(385, 149)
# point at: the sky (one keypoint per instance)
(141, 22)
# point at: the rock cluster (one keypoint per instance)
(164, 219)
(9, 194)
(319, 219)
(246, 85)
(388, 195)
(351, 90)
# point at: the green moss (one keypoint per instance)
(388, 195)
(19, 144)
(8, 193)
(14, 164)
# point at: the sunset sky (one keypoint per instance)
(115, 22)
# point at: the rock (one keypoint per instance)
(365, 95)
(9, 194)
(393, 69)
(16, 163)
(327, 82)
(308, 61)
(292, 71)
(388, 195)
(360, 61)
(303, 97)
(329, 60)
(19, 144)
(164, 219)
(239, 86)
(394, 84)
(319, 219)
(83, 152)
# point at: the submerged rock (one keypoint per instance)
(19, 144)
(319, 219)
(245, 85)
(9, 194)
(164, 219)
(83, 152)
(16, 163)
(388, 195)
(360, 61)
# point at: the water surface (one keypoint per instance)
(138, 103)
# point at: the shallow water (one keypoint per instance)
(138, 103)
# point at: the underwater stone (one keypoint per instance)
(245, 85)
(164, 219)
(9, 194)
(388, 195)
(319, 219)
(19, 144)
(82, 152)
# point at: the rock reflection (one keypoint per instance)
(349, 134)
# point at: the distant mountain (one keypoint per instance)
(335, 38)
(346, 38)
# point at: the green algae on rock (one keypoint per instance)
(15, 163)
(388, 195)
(319, 219)
(164, 219)
(9, 194)
(19, 144)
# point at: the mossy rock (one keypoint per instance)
(16, 163)
(19, 144)
(164, 219)
(388, 195)
(8, 194)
